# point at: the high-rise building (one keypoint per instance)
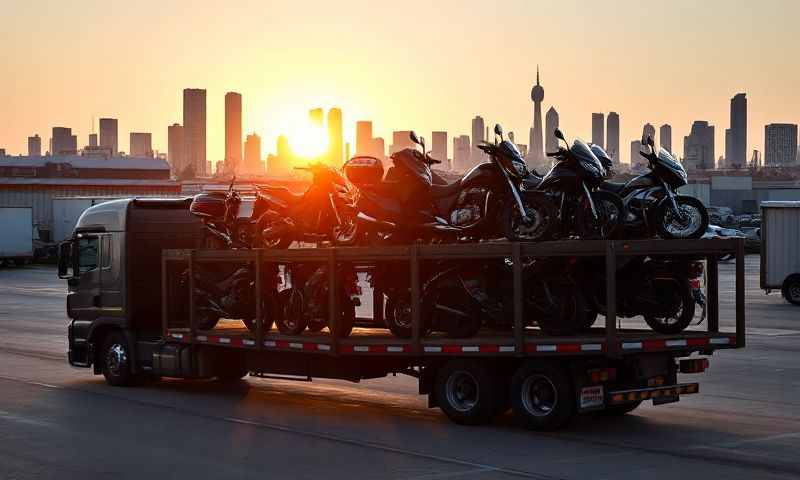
(612, 137)
(175, 146)
(637, 161)
(252, 155)
(279, 165)
(335, 138)
(35, 146)
(536, 142)
(665, 137)
(93, 140)
(2, 152)
(233, 133)
(317, 117)
(698, 146)
(363, 137)
(461, 153)
(736, 152)
(551, 124)
(780, 145)
(194, 130)
(649, 131)
(141, 145)
(401, 139)
(439, 146)
(478, 136)
(63, 142)
(598, 129)
(109, 134)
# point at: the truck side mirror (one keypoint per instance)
(66, 260)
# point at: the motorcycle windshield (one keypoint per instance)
(511, 159)
(603, 156)
(587, 160)
(408, 159)
(666, 161)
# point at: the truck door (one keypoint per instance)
(84, 300)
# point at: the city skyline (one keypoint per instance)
(301, 58)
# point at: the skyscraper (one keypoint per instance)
(665, 137)
(233, 132)
(401, 139)
(612, 137)
(649, 131)
(637, 161)
(63, 142)
(252, 155)
(551, 123)
(439, 146)
(109, 134)
(317, 117)
(698, 146)
(363, 137)
(175, 146)
(335, 138)
(598, 130)
(35, 146)
(736, 152)
(194, 130)
(780, 145)
(141, 145)
(478, 136)
(93, 140)
(461, 153)
(535, 152)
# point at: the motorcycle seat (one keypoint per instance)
(282, 193)
(445, 191)
(613, 187)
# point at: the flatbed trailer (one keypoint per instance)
(544, 379)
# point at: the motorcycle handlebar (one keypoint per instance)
(553, 154)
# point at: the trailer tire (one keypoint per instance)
(619, 410)
(464, 390)
(116, 357)
(542, 396)
(791, 289)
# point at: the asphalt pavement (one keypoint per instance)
(61, 422)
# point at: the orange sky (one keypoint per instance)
(420, 65)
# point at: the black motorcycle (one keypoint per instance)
(573, 181)
(487, 202)
(653, 207)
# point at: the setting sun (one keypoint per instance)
(308, 141)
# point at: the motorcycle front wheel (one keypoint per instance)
(540, 224)
(290, 317)
(691, 223)
(558, 307)
(610, 216)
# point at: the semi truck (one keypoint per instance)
(780, 252)
(16, 239)
(131, 316)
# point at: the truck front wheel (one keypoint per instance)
(791, 289)
(116, 360)
(465, 392)
(542, 396)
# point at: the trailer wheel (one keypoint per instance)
(542, 396)
(791, 289)
(465, 392)
(116, 357)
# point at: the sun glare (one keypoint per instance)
(308, 141)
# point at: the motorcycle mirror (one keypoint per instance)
(498, 130)
(650, 141)
(422, 143)
(414, 137)
(559, 135)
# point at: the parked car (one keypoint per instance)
(720, 215)
(715, 231)
(752, 239)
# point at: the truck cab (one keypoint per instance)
(112, 264)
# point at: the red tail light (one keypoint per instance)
(695, 365)
(696, 269)
(600, 375)
(695, 283)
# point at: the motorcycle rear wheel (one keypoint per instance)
(681, 305)
(610, 216)
(558, 307)
(290, 317)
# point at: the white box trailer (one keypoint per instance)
(780, 248)
(16, 239)
(66, 211)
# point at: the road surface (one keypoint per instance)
(60, 422)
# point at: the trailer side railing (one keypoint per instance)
(611, 250)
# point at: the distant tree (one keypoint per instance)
(187, 173)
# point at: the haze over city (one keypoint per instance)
(410, 66)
